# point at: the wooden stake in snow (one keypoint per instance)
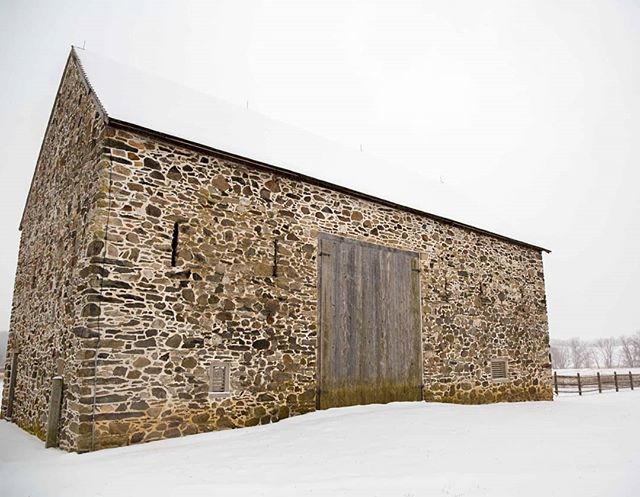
(55, 406)
(12, 384)
(631, 380)
(579, 384)
(599, 383)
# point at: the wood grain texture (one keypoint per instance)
(55, 406)
(370, 326)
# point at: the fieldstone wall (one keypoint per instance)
(132, 316)
(49, 290)
(244, 290)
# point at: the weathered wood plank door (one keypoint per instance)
(370, 326)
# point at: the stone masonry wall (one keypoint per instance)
(49, 290)
(244, 291)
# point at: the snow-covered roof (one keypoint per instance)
(135, 97)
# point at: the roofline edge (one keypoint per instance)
(127, 126)
(72, 56)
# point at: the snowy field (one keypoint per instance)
(570, 447)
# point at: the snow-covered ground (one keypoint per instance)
(570, 447)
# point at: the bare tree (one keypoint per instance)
(560, 357)
(630, 347)
(626, 354)
(605, 352)
(594, 357)
(580, 353)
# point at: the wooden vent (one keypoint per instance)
(219, 377)
(499, 369)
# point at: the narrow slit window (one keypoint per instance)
(219, 377)
(275, 258)
(174, 243)
(499, 369)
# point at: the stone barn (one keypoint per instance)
(187, 266)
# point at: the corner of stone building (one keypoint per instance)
(51, 283)
(547, 393)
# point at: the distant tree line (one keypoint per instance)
(612, 352)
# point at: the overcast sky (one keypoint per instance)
(531, 109)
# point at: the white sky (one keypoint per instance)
(529, 108)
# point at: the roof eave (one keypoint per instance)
(128, 126)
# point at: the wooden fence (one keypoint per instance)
(580, 383)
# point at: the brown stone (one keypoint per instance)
(118, 427)
(159, 393)
(149, 342)
(141, 362)
(153, 211)
(174, 341)
(95, 248)
(200, 418)
(263, 269)
(261, 344)
(151, 164)
(225, 422)
(91, 310)
(221, 183)
(189, 362)
(174, 173)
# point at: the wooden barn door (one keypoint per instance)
(370, 327)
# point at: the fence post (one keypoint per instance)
(555, 381)
(12, 385)
(55, 404)
(631, 380)
(599, 383)
(615, 379)
(579, 384)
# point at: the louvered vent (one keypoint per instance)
(219, 377)
(499, 369)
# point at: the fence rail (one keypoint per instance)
(595, 383)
